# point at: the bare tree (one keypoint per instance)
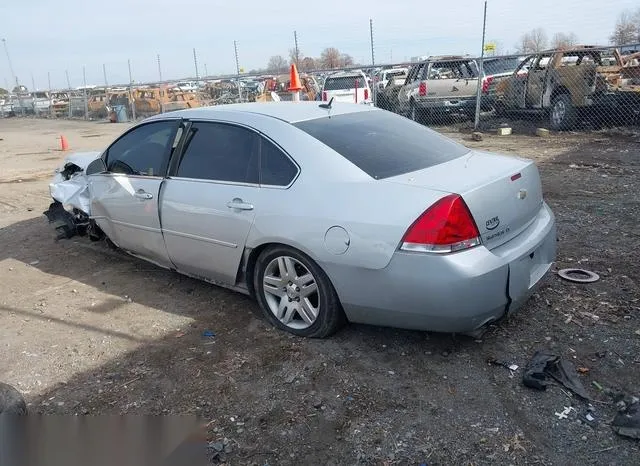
(563, 40)
(627, 28)
(533, 41)
(330, 58)
(293, 58)
(307, 64)
(277, 64)
(346, 60)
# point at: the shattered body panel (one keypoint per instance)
(69, 185)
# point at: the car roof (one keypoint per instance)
(290, 112)
(342, 74)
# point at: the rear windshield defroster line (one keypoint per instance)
(381, 143)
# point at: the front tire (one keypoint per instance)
(295, 294)
(563, 114)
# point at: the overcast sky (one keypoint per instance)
(53, 36)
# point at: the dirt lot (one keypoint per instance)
(87, 330)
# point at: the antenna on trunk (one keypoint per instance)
(327, 105)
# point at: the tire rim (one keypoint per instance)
(579, 275)
(559, 111)
(413, 113)
(291, 292)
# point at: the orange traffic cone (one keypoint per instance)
(64, 145)
(294, 79)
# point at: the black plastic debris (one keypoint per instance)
(627, 422)
(545, 367)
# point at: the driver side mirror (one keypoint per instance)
(95, 167)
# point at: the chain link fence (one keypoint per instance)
(562, 89)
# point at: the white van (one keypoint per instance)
(347, 86)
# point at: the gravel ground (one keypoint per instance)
(88, 330)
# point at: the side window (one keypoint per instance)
(143, 151)
(525, 65)
(542, 62)
(276, 169)
(220, 152)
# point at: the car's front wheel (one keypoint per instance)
(295, 294)
(562, 115)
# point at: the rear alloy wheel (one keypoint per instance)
(295, 294)
(563, 114)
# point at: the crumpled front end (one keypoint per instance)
(69, 212)
(70, 185)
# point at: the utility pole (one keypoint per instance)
(481, 70)
(195, 62)
(206, 71)
(33, 83)
(295, 39)
(51, 113)
(66, 72)
(373, 58)
(162, 92)
(131, 101)
(84, 93)
(13, 75)
(104, 72)
(235, 48)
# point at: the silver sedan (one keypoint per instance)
(325, 213)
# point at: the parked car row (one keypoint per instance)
(560, 84)
(445, 85)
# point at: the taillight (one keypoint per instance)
(324, 96)
(366, 94)
(486, 82)
(422, 90)
(446, 226)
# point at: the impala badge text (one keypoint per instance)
(492, 223)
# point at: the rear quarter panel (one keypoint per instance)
(331, 191)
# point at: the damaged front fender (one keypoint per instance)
(71, 207)
(70, 186)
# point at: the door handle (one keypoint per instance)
(141, 194)
(239, 204)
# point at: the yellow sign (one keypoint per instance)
(241, 70)
(490, 47)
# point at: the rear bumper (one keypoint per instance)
(447, 105)
(453, 293)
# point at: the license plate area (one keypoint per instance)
(526, 271)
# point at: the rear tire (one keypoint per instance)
(415, 114)
(563, 114)
(295, 294)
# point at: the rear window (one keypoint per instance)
(383, 144)
(343, 83)
(453, 70)
(499, 66)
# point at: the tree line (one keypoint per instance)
(330, 58)
(626, 31)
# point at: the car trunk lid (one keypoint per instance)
(503, 193)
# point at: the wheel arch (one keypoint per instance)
(251, 254)
(558, 90)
